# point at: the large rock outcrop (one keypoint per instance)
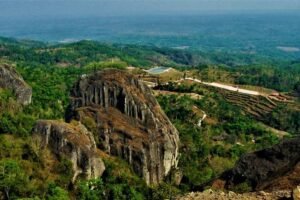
(11, 80)
(74, 142)
(127, 122)
(269, 169)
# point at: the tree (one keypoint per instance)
(91, 190)
(297, 88)
(12, 178)
(56, 193)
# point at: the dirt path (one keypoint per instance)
(226, 87)
(213, 84)
(276, 97)
(201, 114)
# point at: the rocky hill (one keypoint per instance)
(11, 80)
(126, 121)
(271, 174)
(268, 169)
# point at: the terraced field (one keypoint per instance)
(258, 106)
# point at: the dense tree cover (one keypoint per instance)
(285, 118)
(55, 192)
(252, 70)
(50, 86)
(12, 178)
(297, 88)
(13, 119)
(281, 78)
(82, 53)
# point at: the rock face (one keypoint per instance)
(74, 142)
(10, 79)
(268, 168)
(296, 193)
(127, 122)
(220, 195)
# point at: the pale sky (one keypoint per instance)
(132, 7)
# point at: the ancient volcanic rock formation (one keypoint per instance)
(74, 142)
(126, 121)
(10, 79)
(267, 168)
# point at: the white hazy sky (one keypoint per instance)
(125, 7)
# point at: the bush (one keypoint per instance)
(96, 189)
(12, 178)
(20, 124)
(56, 193)
(91, 190)
(65, 169)
(164, 191)
(242, 187)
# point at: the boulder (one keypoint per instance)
(74, 142)
(268, 168)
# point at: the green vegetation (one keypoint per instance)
(280, 76)
(209, 150)
(12, 178)
(243, 187)
(119, 182)
(206, 151)
(55, 192)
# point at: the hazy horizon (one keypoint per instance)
(265, 26)
(81, 8)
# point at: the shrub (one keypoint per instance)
(12, 178)
(242, 187)
(56, 193)
(164, 191)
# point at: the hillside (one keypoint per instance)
(156, 142)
